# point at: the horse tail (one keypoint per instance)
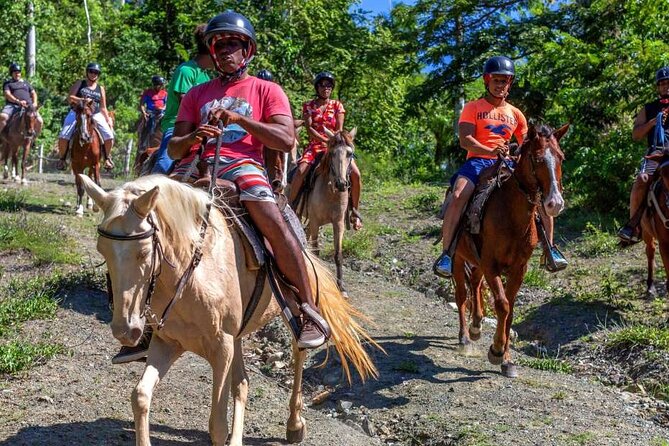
(344, 319)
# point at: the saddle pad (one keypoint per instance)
(491, 178)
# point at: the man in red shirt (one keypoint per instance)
(152, 105)
(255, 113)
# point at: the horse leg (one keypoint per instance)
(338, 236)
(496, 351)
(221, 362)
(296, 427)
(650, 258)
(240, 392)
(161, 356)
(465, 345)
(312, 236)
(477, 304)
(80, 194)
(513, 283)
(664, 253)
(15, 165)
(24, 158)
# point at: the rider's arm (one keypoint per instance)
(142, 104)
(339, 126)
(73, 98)
(33, 95)
(103, 106)
(313, 134)
(469, 143)
(11, 98)
(278, 133)
(185, 135)
(641, 127)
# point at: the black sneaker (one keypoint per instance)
(629, 235)
(136, 353)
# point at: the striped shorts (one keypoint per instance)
(249, 176)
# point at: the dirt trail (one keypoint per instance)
(427, 394)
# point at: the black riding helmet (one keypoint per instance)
(14, 67)
(265, 75)
(324, 75)
(662, 74)
(499, 65)
(157, 80)
(94, 66)
(230, 22)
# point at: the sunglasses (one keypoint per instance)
(94, 72)
(330, 86)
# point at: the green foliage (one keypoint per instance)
(596, 243)
(547, 364)
(12, 200)
(45, 240)
(537, 278)
(19, 355)
(424, 202)
(640, 335)
(24, 300)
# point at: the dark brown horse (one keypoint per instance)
(507, 238)
(149, 135)
(85, 150)
(655, 222)
(20, 132)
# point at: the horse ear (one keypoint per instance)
(93, 190)
(531, 132)
(559, 133)
(353, 132)
(328, 132)
(145, 203)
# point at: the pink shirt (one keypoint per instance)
(250, 97)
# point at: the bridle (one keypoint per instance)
(332, 169)
(157, 256)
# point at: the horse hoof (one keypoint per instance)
(24, 182)
(296, 436)
(495, 358)
(651, 292)
(466, 348)
(509, 370)
(474, 333)
(96, 208)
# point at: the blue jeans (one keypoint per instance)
(164, 163)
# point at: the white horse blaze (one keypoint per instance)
(553, 202)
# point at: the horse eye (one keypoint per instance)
(349, 152)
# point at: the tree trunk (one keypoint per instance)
(30, 42)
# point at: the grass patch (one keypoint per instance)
(12, 200)
(640, 335)
(45, 240)
(424, 202)
(547, 364)
(537, 278)
(596, 243)
(26, 300)
(471, 436)
(584, 438)
(17, 356)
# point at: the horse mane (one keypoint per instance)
(545, 131)
(179, 210)
(341, 138)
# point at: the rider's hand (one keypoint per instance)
(206, 131)
(228, 117)
(502, 150)
(23, 103)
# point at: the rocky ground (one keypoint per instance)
(428, 393)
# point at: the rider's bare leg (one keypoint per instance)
(62, 150)
(287, 250)
(356, 188)
(108, 144)
(638, 194)
(462, 191)
(38, 125)
(298, 179)
(3, 121)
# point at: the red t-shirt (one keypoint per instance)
(250, 97)
(493, 126)
(154, 100)
(322, 119)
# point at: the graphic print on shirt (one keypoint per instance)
(500, 130)
(233, 132)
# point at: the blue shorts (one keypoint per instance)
(472, 169)
(163, 161)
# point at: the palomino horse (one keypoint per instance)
(655, 224)
(149, 237)
(328, 200)
(507, 238)
(85, 149)
(19, 132)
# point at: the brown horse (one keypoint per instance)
(150, 235)
(85, 150)
(507, 238)
(655, 224)
(327, 202)
(19, 133)
(149, 135)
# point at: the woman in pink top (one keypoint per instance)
(318, 114)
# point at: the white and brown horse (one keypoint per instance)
(19, 133)
(149, 234)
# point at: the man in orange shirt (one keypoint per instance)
(485, 129)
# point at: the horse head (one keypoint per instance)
(339, 157)
(84, 111)
(541, 165)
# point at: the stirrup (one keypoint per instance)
(553, 260)
(629, 234)
(61, 164)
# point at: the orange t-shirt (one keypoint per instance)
(493, 126)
